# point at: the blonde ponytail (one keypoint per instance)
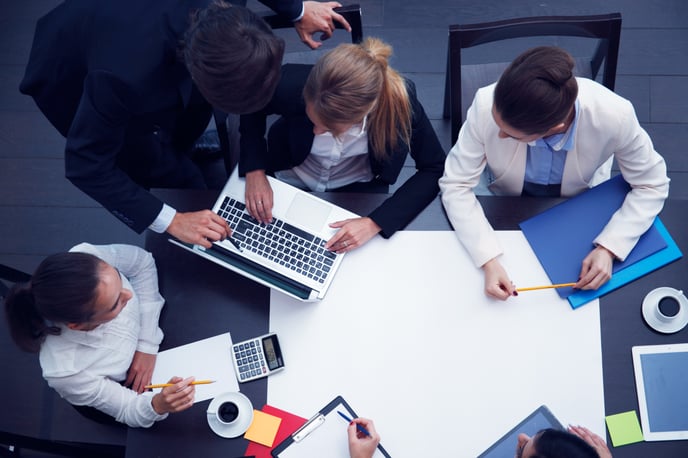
(353, 81)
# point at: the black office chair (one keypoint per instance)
(462, 81)
(20, 442)
(10, 275)
(228, 125)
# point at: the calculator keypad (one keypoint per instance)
(250, 361)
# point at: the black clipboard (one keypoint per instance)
(320, 426)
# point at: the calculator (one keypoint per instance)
(257, 357)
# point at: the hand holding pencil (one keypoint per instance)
(178, 396)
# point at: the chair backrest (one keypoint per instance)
(462, 81)
(227, 125)
(10, 275)
(38, 418)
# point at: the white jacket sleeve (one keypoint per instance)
(464, 165)
(645, 170)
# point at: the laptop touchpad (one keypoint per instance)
(308, 212)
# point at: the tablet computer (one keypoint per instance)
(505, 447)
(661, 377)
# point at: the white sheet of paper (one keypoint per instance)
(408, 337)
(207, 359)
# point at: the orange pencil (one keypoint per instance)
(163, 385)
(533, 288)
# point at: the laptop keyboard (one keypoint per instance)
(279, 242)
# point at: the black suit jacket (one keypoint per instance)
(104, 71)
(290, 139)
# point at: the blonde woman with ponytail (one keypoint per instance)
(346, 123)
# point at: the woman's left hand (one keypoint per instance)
(140, 372)
(352, 233)
(596, 269)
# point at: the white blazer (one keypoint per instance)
(607, 126)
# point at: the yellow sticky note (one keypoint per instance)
(624, 428)
(263, 429)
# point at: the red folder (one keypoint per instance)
(290, 423)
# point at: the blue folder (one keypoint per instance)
(642, 267)
(562, 236)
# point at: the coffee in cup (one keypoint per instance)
(227, 412)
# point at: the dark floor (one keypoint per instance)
(41, 212)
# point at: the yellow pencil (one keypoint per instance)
(163, 385)
(533, 288)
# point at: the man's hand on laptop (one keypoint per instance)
(200, 228)
(259, 196)
(352, 233)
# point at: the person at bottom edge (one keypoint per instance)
(576, 442)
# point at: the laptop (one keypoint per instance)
(287, 254)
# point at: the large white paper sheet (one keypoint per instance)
(408, 337)
(207, 359)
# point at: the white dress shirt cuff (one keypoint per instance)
(300, 16)
(163, 220)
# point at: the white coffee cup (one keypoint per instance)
(227, 412)
(230, 414)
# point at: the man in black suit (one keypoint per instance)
(129, 84)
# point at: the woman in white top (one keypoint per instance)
(92, 314)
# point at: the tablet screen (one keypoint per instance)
(505, 447)
(661, 373)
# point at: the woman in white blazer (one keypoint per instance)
(538, 100)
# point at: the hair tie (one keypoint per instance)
(566, 78)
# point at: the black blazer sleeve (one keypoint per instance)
(290, 9)
(420, 189)
(95, 137)
(292, 148)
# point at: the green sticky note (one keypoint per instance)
(624, 428)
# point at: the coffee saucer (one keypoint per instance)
(240, 424)
(654, 316)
